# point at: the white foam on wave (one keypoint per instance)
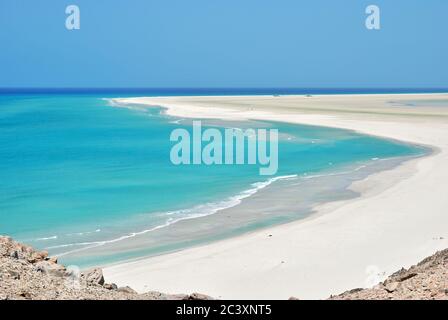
(180, 215)
(336, 173)
(83, 233)
(68, 234)
(46, 238)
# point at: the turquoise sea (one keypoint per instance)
(92, 182)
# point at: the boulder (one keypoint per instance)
(94, 276)
(50, 268)
(110, 286)
(199, 296)
(127, 290)
(38, 256)
(25, 294)
(14, 274)
(15, 254)
(405, 276)
(52, 259)
(392, 286)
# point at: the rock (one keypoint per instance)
(14, 274)
(5, 239)
(49, 268)
(25, 294)
(25, 249)
(52, 259)
(198, 296)
(127, 290)
(406, 276)
(175, 296)
(38, 256)
(15, 254)
(355, 290)
(94, 276)
(45, 279)
(392, 286)
(110, 286)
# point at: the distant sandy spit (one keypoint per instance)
(400, 217)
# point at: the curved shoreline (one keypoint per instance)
(332, 263)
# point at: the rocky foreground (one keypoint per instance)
(29, 274)
(427, 280)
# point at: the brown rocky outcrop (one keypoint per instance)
(427, 280)
(29, 274)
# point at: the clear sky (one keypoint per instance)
(223, 43)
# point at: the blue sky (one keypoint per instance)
(223, 43)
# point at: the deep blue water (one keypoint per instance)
(74, 169)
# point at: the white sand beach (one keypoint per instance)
(400, 217)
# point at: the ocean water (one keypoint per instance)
(92, 182)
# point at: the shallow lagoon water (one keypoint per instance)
(93, 183)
